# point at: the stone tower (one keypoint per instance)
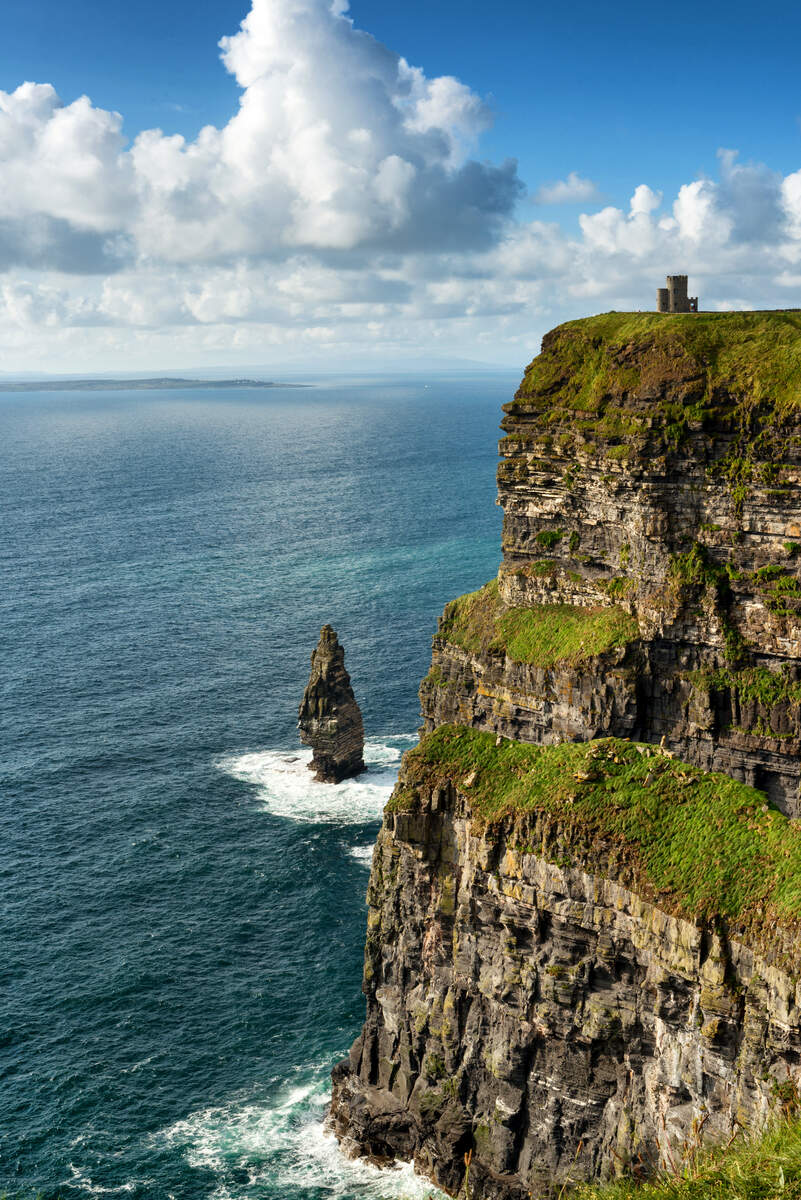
(674, 298)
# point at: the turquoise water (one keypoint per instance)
(183, 907)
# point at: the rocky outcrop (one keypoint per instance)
(524, 1003)
(329, 719)
(548, 986)
(600, 695)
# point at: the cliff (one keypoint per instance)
(583, 932)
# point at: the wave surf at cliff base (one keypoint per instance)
(285, 787)
(280, 1147)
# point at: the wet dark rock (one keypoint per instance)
(329, 719)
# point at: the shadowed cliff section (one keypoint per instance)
(585, 905)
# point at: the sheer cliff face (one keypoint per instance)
(546, 1015)
(567, 1004)
(654, 468)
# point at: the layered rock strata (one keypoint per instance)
(653, 464)
(329, 719)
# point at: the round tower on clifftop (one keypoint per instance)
(674, 298)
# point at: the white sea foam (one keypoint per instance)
(286, 788)
(281, 1147)
(363, 854)
(79, 1178)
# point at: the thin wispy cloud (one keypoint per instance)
(573, 190)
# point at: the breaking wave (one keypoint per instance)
(279, 1148)
(285, 787)
(363, 854)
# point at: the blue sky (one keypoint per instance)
(622, 92)
(418, 238)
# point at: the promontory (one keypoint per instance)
(584, 931)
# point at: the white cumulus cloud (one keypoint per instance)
(344, 204)
(337, 143)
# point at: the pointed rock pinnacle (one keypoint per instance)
(329, 719)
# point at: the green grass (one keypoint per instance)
(763, 1168)
(741, 370)
(695, 568)
(550, 537)
(543, 635)
(757, 352)
(699, 844)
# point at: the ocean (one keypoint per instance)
(183, 906)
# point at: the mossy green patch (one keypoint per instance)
(549, 537)
(701, 844)
(752, 685)
(542, 635)
(618, 587)
(435, 679)
(697, 569)
(540, 568)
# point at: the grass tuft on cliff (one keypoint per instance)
(543, 635)
(750, 1169)
(698, 844)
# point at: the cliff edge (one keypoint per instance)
(651, 577)
(585, 901)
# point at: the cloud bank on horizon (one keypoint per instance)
(341, 209)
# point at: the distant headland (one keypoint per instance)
(129, 385)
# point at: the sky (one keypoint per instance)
(321, 185)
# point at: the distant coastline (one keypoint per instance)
(130, 385)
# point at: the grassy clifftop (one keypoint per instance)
(751, 1169)
(621, 374)
(700, 844)
(542, 635)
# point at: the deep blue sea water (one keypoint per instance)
(183, 908)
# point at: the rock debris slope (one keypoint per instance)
(584, 929)
(329, 719)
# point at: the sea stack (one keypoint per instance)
(329, 718)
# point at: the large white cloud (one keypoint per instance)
(338, 143)
(338, 207)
